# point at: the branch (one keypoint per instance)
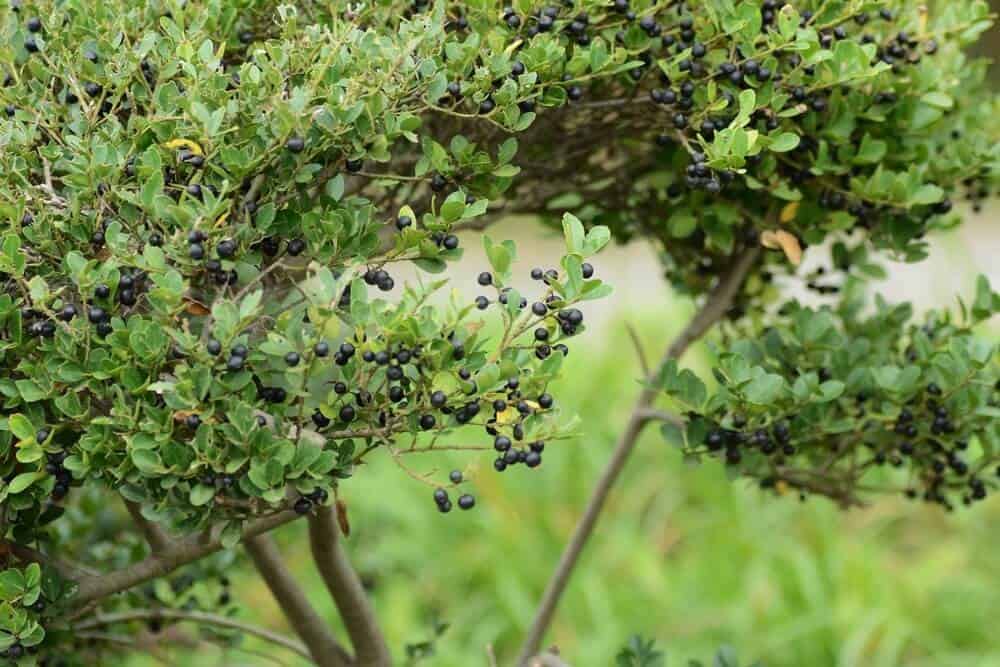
(101, 620)
(66, 569)
(547, 660)
(325, 650)
(177, 554)
(654, 415)
(156, 537)
(345, 587)
(716, 305)
(640, 352)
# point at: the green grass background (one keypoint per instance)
(680, 554)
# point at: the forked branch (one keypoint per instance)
(156, 537)
(310, 626)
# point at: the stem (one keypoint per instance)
(179, 553)
(716, 305)
(345, 587)
(101, 620)
(547, 660)
(325, 650)
(156, 537)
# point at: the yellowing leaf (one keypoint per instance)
(185, 143)
(222, 219)
(787, 242)
(508, 416)
(788, 212)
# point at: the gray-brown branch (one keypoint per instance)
(179, 553)
(200, 617)
(345, 587)
(717, 303)
(156, 537)
(308, 625)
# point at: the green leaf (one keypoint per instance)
(938, 99)
(499, 255)
(927, 194)
(23, 481)
(453, 207)
(201, 494)
(784, 142)
(765, 389)
(831, 390)
(871, 151)
(574, 233)
(21, 427)
(596, 239)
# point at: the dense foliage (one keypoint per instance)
(204, 205)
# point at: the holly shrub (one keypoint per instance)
(204, 203)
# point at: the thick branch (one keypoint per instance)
(177, 554)
(309, 625)
(716, 305)
(156, 537)
(342, 581)
(101, 620)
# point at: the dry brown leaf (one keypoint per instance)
(192, 307)
(785, 241)
(345, 524)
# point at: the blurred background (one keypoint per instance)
(681, 554)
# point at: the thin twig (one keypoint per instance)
(640, 352)
(370, 647)
(652, 414)
(310, 626)
(714, 308)
(101, 620)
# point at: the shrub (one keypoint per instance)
(204, 205)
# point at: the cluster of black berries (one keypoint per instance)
(509, 455)
(225, 249)
(813, 284)
(379, 278)
(446, 241)
(466, 501)
(569, 319)
(41, 326)
(219, 482)
(16, 651)
(976, 191)
(700, 176)
(935, 449)
(776, 441)
(54, 466)
(237, 355)
(34, 26)
(305, 503)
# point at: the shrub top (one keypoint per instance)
(201, 203)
